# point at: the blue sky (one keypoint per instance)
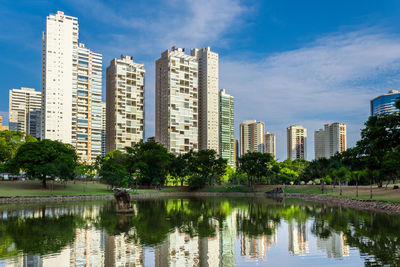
(285, 62)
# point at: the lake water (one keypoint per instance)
(197, 232)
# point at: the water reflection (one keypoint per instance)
(196, 232)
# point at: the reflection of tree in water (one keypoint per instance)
(41, 235)
(155, 219)
(376, 235)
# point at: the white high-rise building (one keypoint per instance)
(177, 101)
(270, 143)
(330, 140)
(59, 75)
(125, 104)
(251, 137)
(208, 86)
(296, 142)
(24, 110)
(71, 88)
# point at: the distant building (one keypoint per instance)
(227, 135)
(151, 139)
(296, 142)
(330, 140)
(25, 106)
(2, 128)
(270, 144)
(251, 137)
(384, 104)
(177, 101)
(125, 104)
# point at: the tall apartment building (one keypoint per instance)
(251, 137)
(177, 101)
(125, 104)
(71, 88)
(384, 104)
(208, 85)
(296, 142)
(59, 75)
(227, 134)
(103, 128)
(86, 105)
(270, 143)
(24, 110)
(330, 140)
(2, 127)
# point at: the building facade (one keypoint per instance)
(71, 88)
(296, 142)
(251, 137)
(177, 105)
(384, 104)
(2, 127)
(86, 105)
(208, 85)
(25, 110)
(227, 134)
(59, 75)
(270, 143)
(330, 140)
(125, 104)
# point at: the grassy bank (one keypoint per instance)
(33, 188)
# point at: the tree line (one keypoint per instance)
(374, 159)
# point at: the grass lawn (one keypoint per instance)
(380, 194)
(34, 188)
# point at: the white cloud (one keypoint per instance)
(331, 79)
(185, 23)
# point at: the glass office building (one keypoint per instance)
(384, 104)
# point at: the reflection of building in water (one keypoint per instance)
(178, 249)
(255, 247)
(209, 249)
(298, 244)
(227, 240)
(120, 252)
(88, 248)
(60, 260)
(335, 245)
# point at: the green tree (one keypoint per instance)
(46, 160)
(179, 169)
(10, 141)
(87, 171)
(113, 169)
(206, 168)
(256, 165)
(341, 174)
(380, 136)
(357, 176)
(151, 161)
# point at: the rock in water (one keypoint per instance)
(123, 199)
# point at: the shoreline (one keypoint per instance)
(371, 205)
